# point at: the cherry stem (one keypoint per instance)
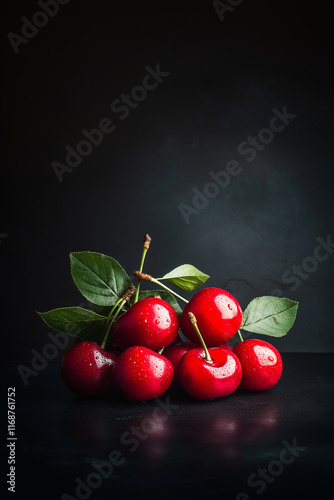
(193, 321)
(120, 304)
(126, 296)
(157, 282)
(113, 309)
(240, 336)
(146, 246)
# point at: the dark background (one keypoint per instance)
(225, 79)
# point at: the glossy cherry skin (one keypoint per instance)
(86, 370)
(218, 316)
(151, 323)
(261, 364)
(174, 353)
(203, 380)
(141, 374)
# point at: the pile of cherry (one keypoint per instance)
(140, 343)
(148, 355)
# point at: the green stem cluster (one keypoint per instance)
(112, 318)
(116, 310)
(119, 304)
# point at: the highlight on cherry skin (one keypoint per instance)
(218, 315)
(141, 374)
(150, 322)
(261, 363)
(209, 373)
(204, 380)
(86, 370)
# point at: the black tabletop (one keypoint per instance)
(274, 444)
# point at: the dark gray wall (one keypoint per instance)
(225, 78)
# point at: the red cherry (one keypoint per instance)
(261, 364)
(204, 380)
(151, 323)
(86, 369)
(218, 315)
(226, 346)
(174, 353)
(142, 374)
(192, 345)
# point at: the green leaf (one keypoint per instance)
(168, 297)
(186, 277)
(102, 310)
(269, 316)
(77, 322)
(100, 279)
